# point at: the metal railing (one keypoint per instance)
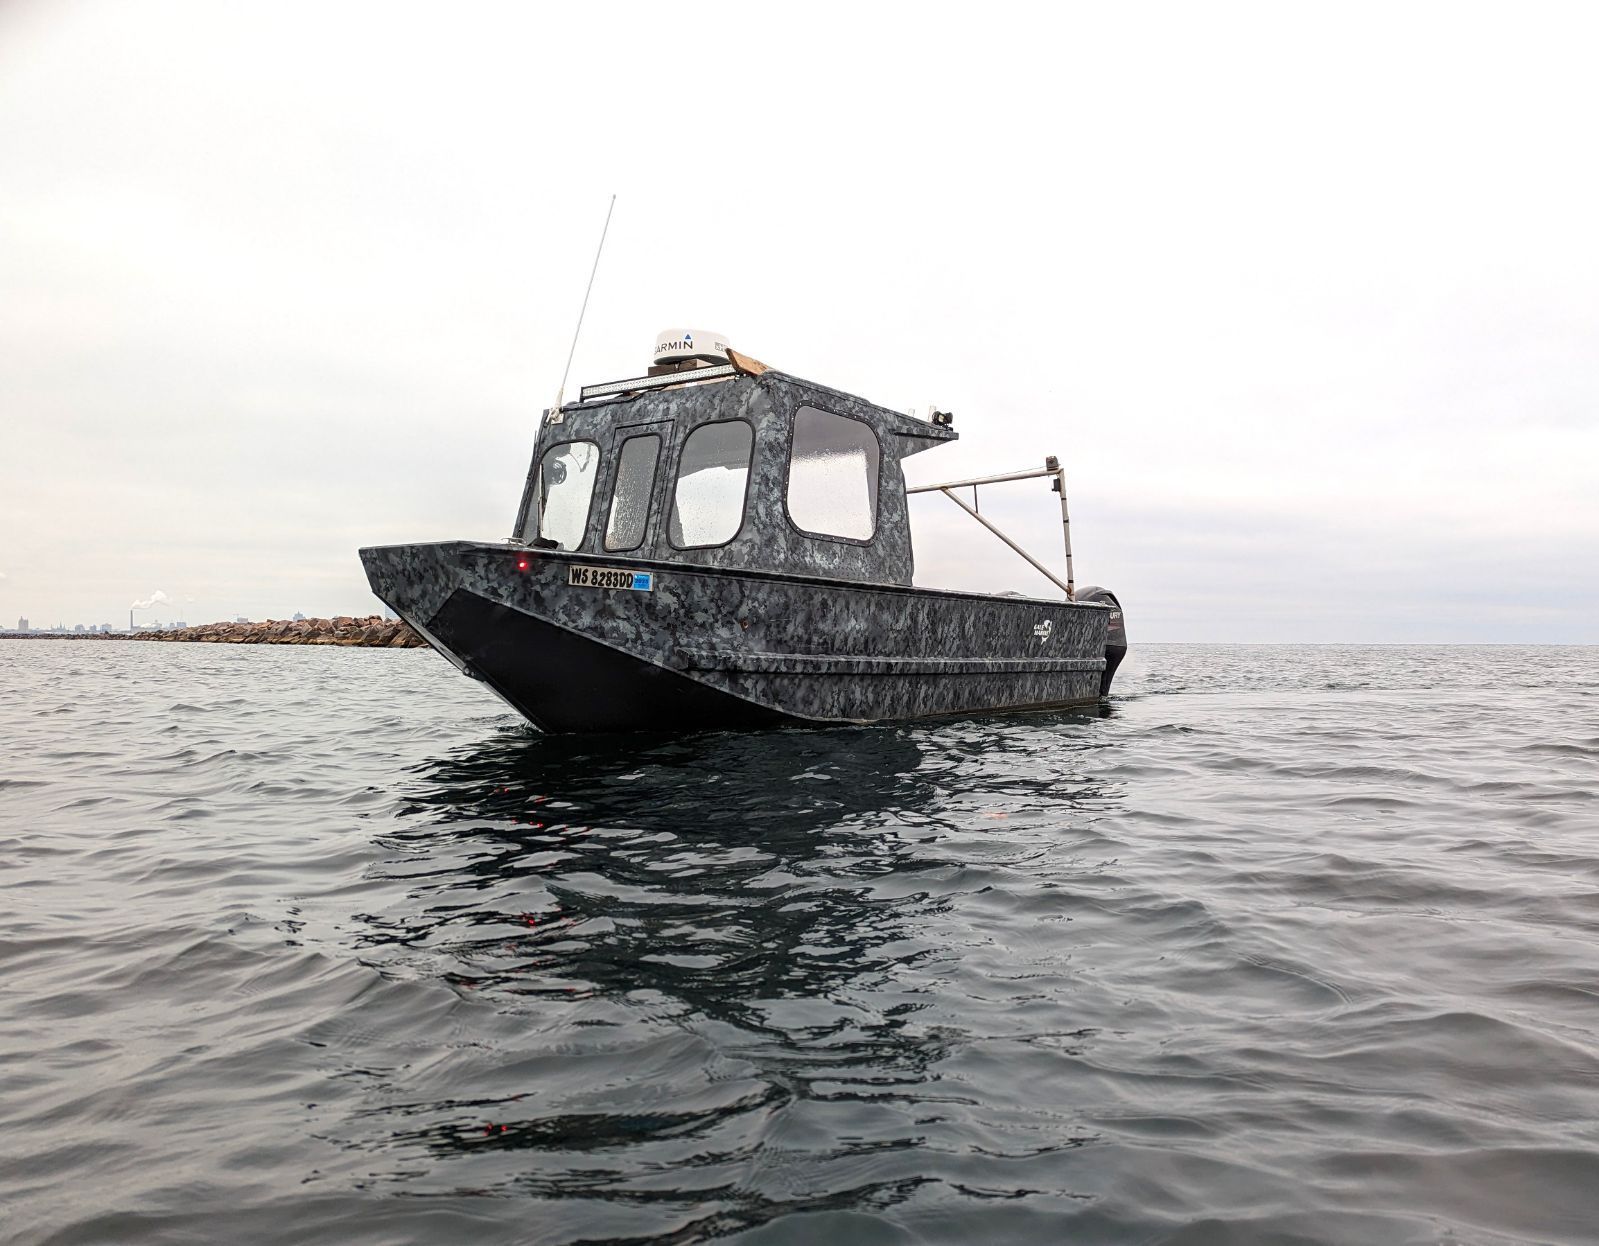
(1051, 468)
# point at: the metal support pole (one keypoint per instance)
(1066, 531)
(1051, 468)
(1031, 561)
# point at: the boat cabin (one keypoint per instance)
(716, 460)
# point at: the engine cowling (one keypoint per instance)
(1115, 632)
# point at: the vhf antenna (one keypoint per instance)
(555, 411)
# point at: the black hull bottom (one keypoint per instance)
(560, 681)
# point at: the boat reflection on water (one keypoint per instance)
(715, 870)
(701, 949)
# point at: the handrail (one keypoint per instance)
(1051, 467)
(986, 480)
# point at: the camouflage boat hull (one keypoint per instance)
(585, 643)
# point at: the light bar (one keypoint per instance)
(713, 373)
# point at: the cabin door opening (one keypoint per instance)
(639, 449)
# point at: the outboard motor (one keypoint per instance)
(1115, 633)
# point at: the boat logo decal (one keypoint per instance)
(1042, 630)
(582, 576)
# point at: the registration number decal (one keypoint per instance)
(611, 577)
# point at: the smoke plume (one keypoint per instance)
(149, 601)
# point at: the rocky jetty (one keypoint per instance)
(371, 631)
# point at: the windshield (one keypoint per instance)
(565, 485)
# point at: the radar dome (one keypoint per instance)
(679, 345)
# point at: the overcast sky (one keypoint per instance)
(1304, 296)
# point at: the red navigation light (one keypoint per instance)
(522, 564)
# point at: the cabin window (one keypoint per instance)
(712, 476)
(832, 475)
(630, 499)
(565, 489)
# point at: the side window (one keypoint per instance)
(564, 489)
(630, 500)
(832, 475)
(712, 475)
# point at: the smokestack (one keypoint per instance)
(130, 620)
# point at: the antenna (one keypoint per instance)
(555, 411)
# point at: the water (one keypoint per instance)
(320, 946)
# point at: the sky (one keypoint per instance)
(1305, 297)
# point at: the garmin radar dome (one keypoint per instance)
(677, 346)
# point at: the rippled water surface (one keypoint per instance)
(312, 945)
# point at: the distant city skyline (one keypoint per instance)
(155, 624)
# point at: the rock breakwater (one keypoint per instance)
(371, 631)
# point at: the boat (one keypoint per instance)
(719, 545)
